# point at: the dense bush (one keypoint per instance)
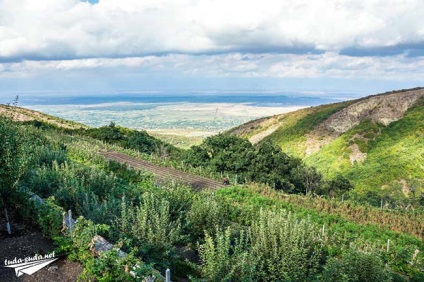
(149, 222)
(356, 266)
(262, 163)
(131, 139)
(286, 249)
(278, 247)
(205, 215)
(226, 259)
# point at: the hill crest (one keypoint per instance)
(376, 141)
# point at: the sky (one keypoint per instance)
(321, 47)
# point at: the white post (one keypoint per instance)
(70, 221)
(323, 230)
(9, 230)
(168, 275)
(388, 245)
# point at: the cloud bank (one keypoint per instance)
(286, 38)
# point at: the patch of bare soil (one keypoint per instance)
(356, 154)
(26, 243)
(261, 135)
(315, 141)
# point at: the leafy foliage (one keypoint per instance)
(132, 139)
(286, 248)
(16, 155)
(224, 259)
(356, 266)
(149, 222)
(244, 233)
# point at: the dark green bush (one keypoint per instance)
(356, 266)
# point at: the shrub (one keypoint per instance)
(205, 215)
(356, 266)
(100, 211)
(287, 249)
(50, 218)
(224, 259)
(149, 222)
(110, 267)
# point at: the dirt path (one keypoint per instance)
(27, 244)
(162, 173)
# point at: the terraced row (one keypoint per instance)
(164, 174)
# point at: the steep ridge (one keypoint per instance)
(376, 141)
(382, 109)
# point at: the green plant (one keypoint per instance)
(287, 249)
(16, 156)
(356, 266)
(50, 218)
(150, 221)
(205, 215)
(81, 239)
(224, 259)
(111, 267)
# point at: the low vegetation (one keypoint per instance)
(394, 157)
(383, 162)
(243, 232)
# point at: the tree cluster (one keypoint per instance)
(262, 163)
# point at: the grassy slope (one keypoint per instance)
(397, 153)
(23, 114)
(334, 157)
(291, 136)
(394, 153)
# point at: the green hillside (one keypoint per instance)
(247, 232)
(394, 153)
(291, 135)
(381, 160)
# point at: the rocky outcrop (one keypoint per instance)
(381, 108)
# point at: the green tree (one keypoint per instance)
(306, 179)
(228, 153)
(338, 185)
(197, 156)
(270, 165)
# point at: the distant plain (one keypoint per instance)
(181, 119)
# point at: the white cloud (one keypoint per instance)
(209, 38)
(328, 65)
(120, 28)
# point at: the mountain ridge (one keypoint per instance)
(350, 138)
